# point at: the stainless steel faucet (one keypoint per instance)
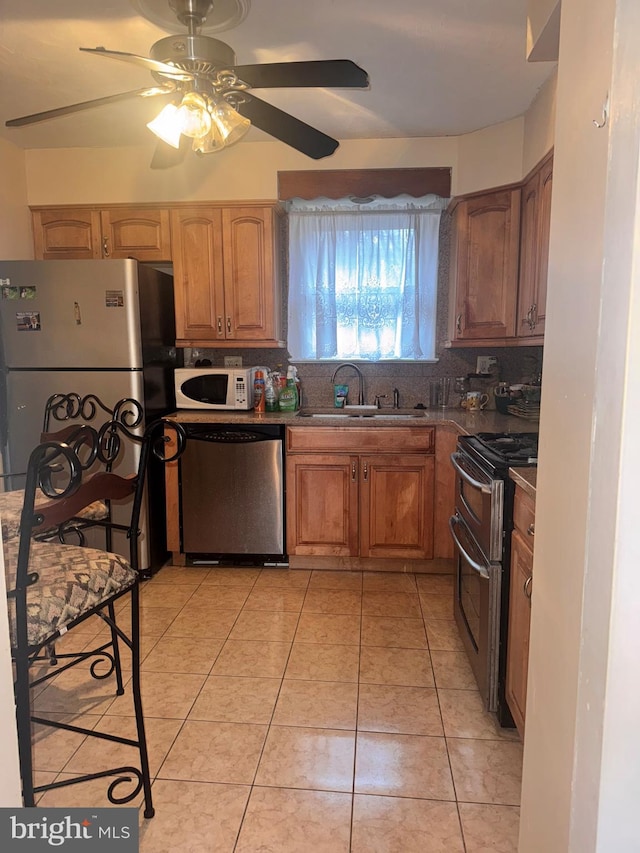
(360, 379)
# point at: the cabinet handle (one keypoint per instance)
(229, 325)
(365, 472)
(219, 325)
(354, 472)
(531, 529)
(527, 587)
(459, 323)
(534, 316)
(105, 247)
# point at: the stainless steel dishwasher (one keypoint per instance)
(232, 494)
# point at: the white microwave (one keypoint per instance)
(214, 387)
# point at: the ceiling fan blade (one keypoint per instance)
(163, 68)
(325, 72)
(88, 105)
(286, 127)
(166, 156)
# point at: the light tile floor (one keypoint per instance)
(294, 711)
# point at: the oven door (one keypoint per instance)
(479, 502)
(477, 609)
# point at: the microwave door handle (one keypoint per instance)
(482, 570)
(484, 487)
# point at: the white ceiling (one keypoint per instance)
(436, 67)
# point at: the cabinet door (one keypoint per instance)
(444, 493)
(322, 505)
(486, 266)
(198, 274)
(529, 255)
(540, 302)
(250, 274)
(66, 233)
(534, 251)
(396, 506)
(519, 621)
(140, 233)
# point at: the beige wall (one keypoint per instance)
(247, 171)
(15, 224)
(486, 158)
(490, 157)
(581, 780)
(539, 125)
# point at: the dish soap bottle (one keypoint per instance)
(289, 394)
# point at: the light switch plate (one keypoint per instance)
(233, 361)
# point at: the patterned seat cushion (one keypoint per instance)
(11, 509)
(72, 581)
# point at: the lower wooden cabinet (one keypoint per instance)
(360, 492)
(521, 579)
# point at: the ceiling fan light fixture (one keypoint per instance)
(166, 125)
(231, 125)
(193, 116)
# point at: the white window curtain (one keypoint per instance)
(363, 278)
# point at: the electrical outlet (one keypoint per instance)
(233, 361)
(485, 363)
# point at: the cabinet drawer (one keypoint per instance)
(361, 440)
(524, 509)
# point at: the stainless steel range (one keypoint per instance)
(481, 528)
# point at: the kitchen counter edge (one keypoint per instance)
(454, 419)
(526, 478)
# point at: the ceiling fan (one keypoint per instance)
(210, 102)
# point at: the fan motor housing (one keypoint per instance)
(199, 54)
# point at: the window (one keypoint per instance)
(362, 278)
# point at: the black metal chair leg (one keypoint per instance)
(23, 722)
(116, 651)
(137, 701)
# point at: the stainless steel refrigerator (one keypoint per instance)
(88, 327)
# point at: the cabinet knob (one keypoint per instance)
(531, 529)
(527, 587)
(219, 325)
(354, 472)
(105, 247)
(365, 472)
(229, 325)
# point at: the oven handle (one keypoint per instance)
(484, 487)
(482, 570)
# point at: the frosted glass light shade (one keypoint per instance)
(166, 126)
(193, 116)
(231, 125)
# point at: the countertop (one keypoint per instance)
(526, 478)
(456, 419)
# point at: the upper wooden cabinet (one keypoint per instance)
(227, 275)
(89, 232)
(534, 251)
(484, 266)
(499, 260)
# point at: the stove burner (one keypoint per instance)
(507, 448)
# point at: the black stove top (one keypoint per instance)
(501, 450)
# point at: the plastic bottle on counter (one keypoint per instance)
(289, 394)
(271, 392)
(259, 392)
